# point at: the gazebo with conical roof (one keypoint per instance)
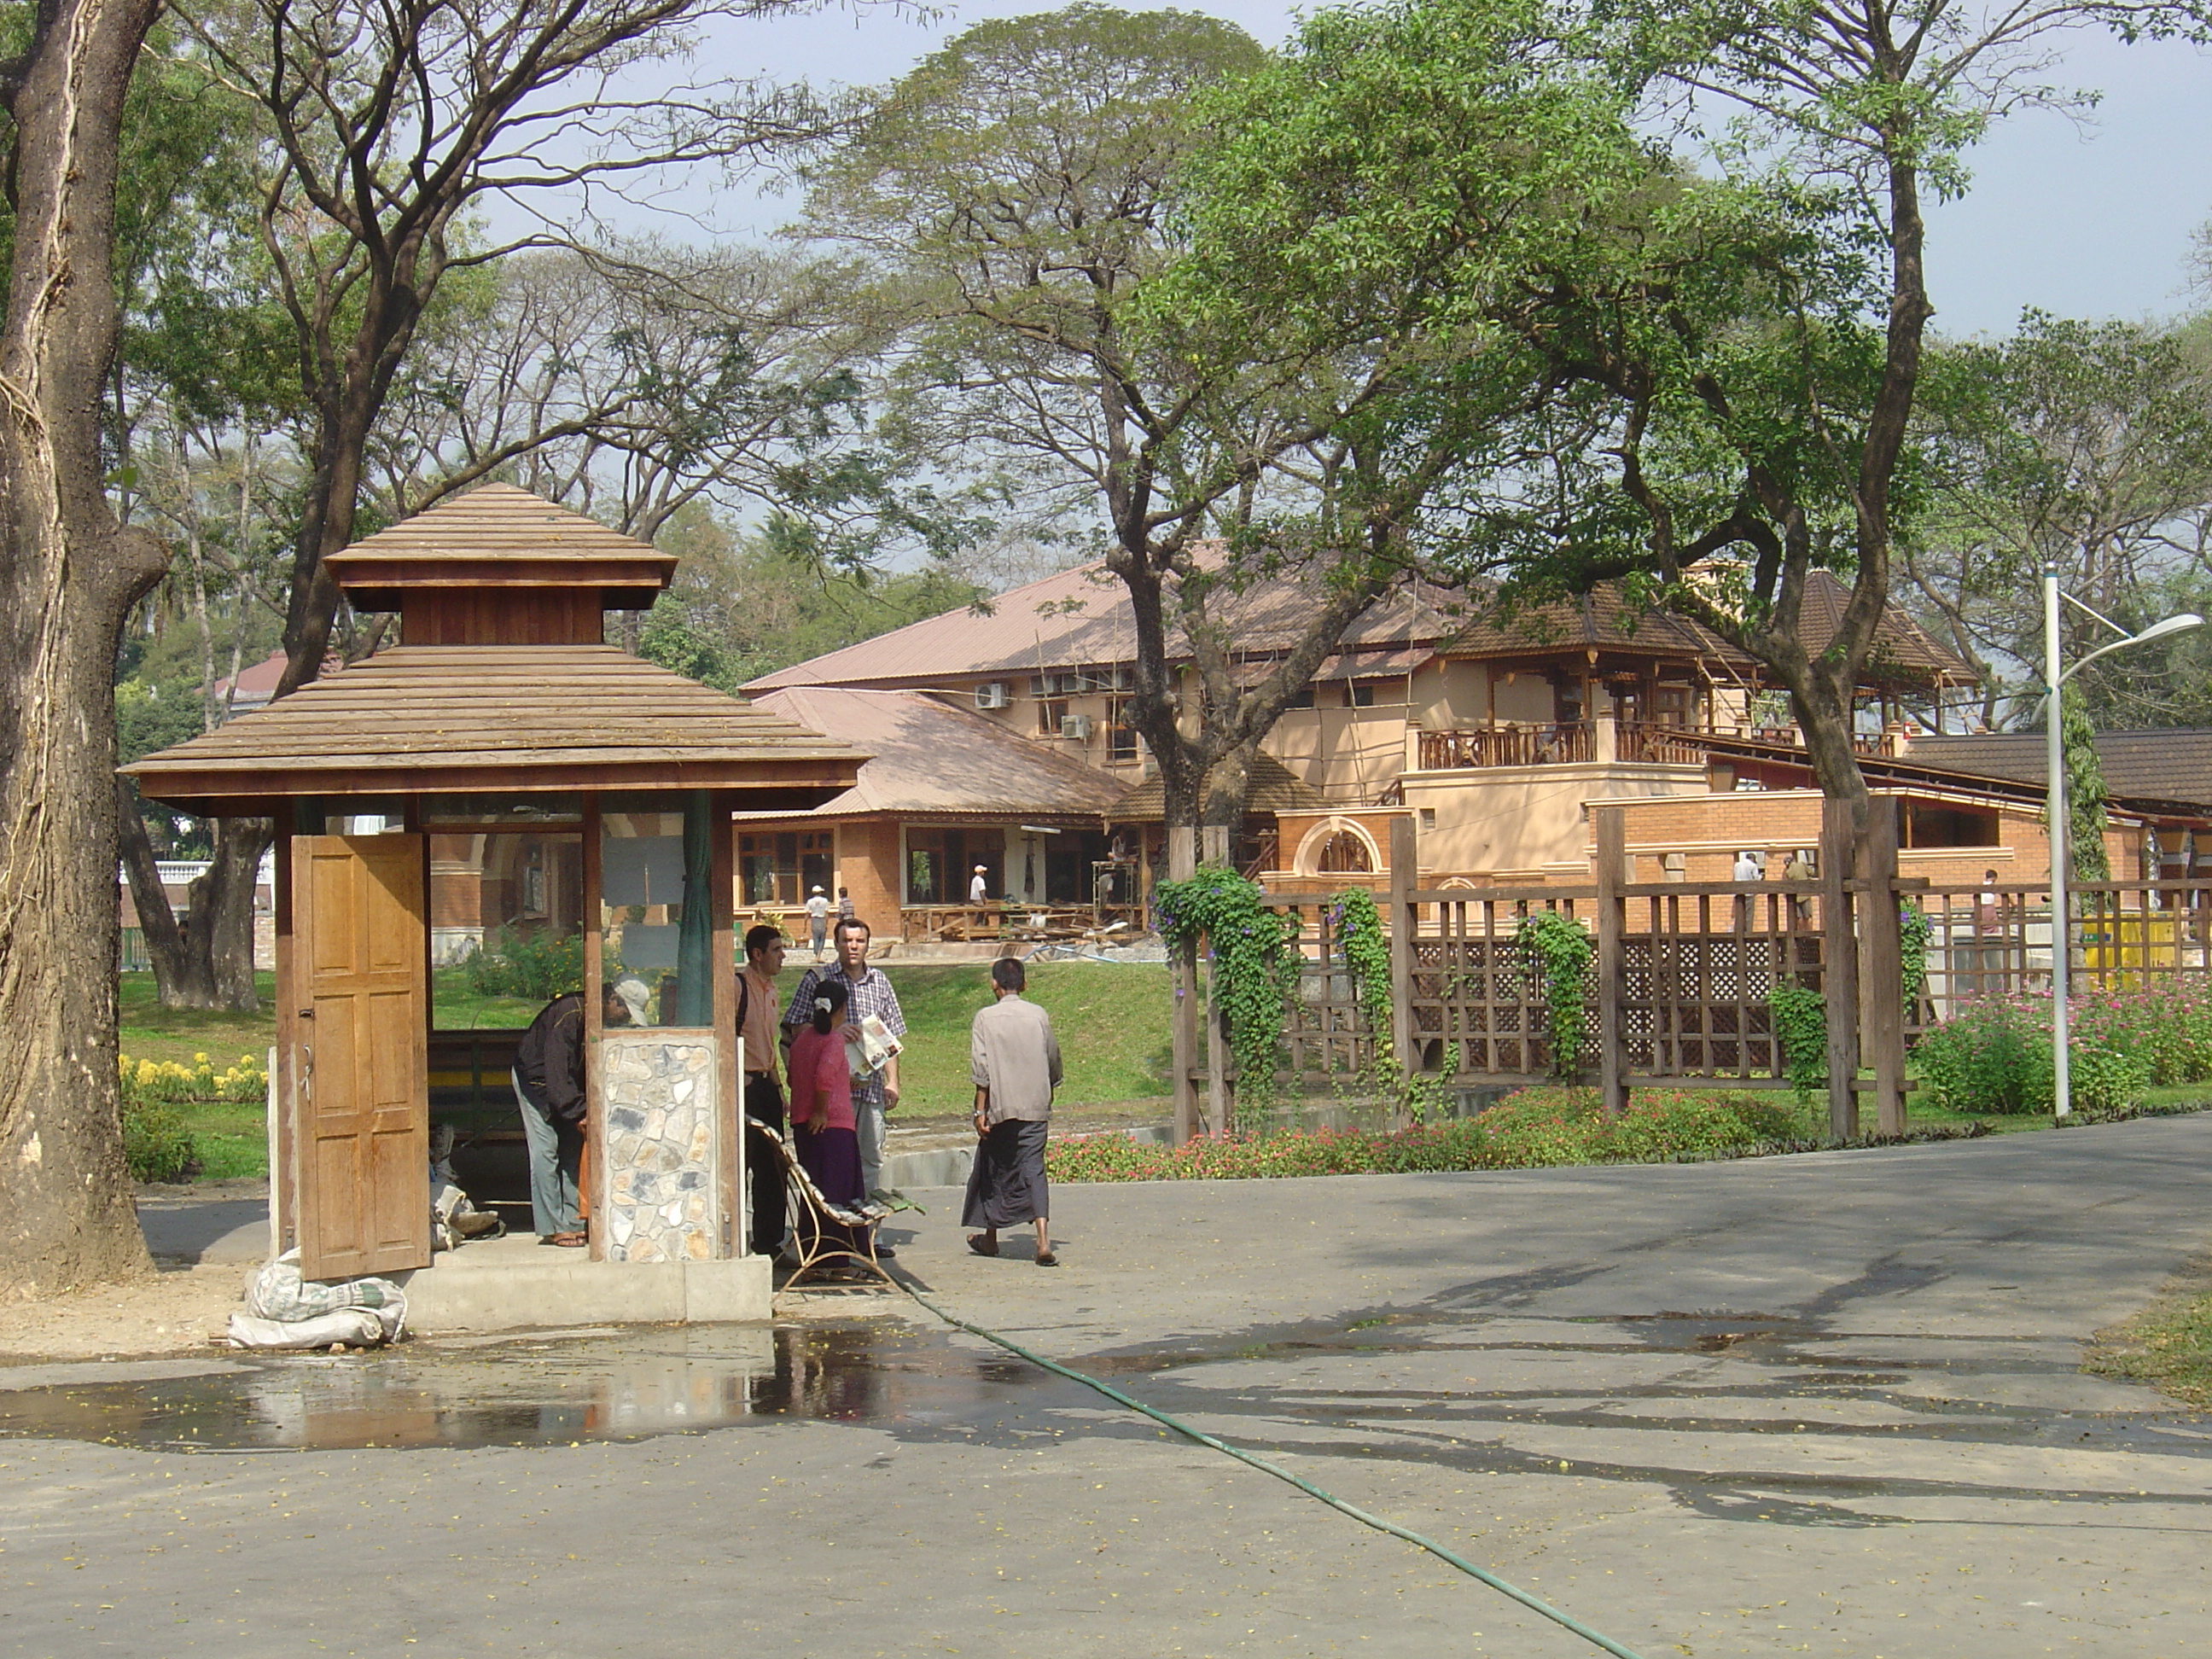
(503, 784)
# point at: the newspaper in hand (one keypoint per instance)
(877, 1045)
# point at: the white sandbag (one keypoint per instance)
(356, 1327)
(276, 1291)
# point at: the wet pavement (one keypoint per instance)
(1827, 1405)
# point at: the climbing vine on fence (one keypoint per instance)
(1254, 952)
(1914, 930)
(1801, 1025)
(1557, 950)
(1367, 954)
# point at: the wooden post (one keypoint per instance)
(594, 1173)
(1839, 966)
(1881, 968)
(1404, 919)
(722, 963)
(1220, 1106)
(1182, 973)
(1612, 970)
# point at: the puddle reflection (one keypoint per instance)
(532, 1390)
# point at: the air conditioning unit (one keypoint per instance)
(1075, 726)
(992, 694)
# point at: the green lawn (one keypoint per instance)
(149, 1031)
(1112, 1020)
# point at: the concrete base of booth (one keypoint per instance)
(498, 1284)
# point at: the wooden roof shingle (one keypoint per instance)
(498, 535)
(433, 718)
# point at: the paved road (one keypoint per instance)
(1824, 1405)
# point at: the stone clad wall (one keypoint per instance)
(662, 1159)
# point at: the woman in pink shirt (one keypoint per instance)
(821, 1105)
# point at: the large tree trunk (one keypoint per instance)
(206, 960)
(68, 575)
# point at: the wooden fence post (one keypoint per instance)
(1612, 824)
(1882, 969)
(1405, 916)
(1182, 972)
(1839, 966)
(1220, 1106)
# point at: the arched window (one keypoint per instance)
(1344, 854)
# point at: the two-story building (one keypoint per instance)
(1001, 740)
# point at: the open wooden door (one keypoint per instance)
(363, 1137)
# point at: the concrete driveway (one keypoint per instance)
(1826, 1405)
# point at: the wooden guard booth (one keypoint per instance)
(503, 754)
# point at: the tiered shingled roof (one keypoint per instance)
(523, 718)
(512, 717)
(497, 535)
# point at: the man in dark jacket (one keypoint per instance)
(548, 1082)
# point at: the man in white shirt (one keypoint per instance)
(979, 885)
(817, 920)
(1748, 867)
(1014, 1059)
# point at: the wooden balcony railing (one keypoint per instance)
(1507, 745)
(1657, 746)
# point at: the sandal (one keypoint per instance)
(1047, 1259)
(982, 1246)
(567, 1241)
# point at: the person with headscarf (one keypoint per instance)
(827, 1140)
(548, 1084)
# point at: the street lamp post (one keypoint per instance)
(2054, 680)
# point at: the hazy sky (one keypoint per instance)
(2090, 222)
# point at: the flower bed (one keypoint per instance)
(167, 1080)
(157, 1144)
(1533, 1129)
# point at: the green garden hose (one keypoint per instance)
(1534, 1603)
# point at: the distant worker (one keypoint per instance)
(818, 922)
(549, 1083)
(1800, 868)
(845, 910)
(979, 885)
(1014, 1060)
(1749, 866)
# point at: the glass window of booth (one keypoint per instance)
(657, 914)
(507, 926)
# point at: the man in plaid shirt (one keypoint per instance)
(867, 992)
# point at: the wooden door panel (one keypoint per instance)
(364, 1107)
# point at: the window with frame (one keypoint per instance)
(1050, 713)
(781, 868)
(1121, 736)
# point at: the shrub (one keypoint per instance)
(2169, 1029)
(534, 967)
(1994, 1057)
(155, 1145)
(1535, 1129)
(1541, 1126)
